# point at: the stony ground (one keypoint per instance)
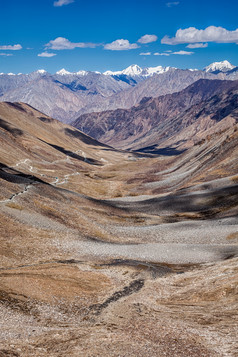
(78, 309)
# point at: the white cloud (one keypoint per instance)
(46, 54)
(61, 43)
(145, 53)
(148, 39)
(210, 34)
(168, 53)
(161, 54)
(62, 2)
(197, 45)
(182, 53)
(174, 3)
(120, 45)
(11, 48)
(6, 54)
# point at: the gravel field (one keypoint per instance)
(186, 232)
(154, 252)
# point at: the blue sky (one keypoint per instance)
(106, 35)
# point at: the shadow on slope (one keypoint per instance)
(74, 155)
(206, 204)
(83, 137)
(17, 106)
(15, 176)
(14, 131)
(166, 151)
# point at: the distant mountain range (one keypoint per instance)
(66, 96)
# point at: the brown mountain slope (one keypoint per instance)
(121, 128)
(196, 123)
(98, 246)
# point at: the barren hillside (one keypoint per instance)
(107, 252)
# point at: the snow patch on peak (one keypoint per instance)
(41, 71)
(133, 70)
(110, 73)
(222, 66)
(63, 72)
(81, 73)
(150, 71)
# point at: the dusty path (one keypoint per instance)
(32, 169)
(14, 195)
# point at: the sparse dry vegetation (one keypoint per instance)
(233, 236)
(14, 206)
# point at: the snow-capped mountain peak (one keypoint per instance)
(110, 73)
(150, 71)
(131, 71)
(41, 71)
(63, 72)
(81, 73)
(134, 70)
(222, 66)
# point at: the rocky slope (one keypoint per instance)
(157, 118)
(193, 125)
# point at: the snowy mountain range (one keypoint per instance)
(134, 70)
